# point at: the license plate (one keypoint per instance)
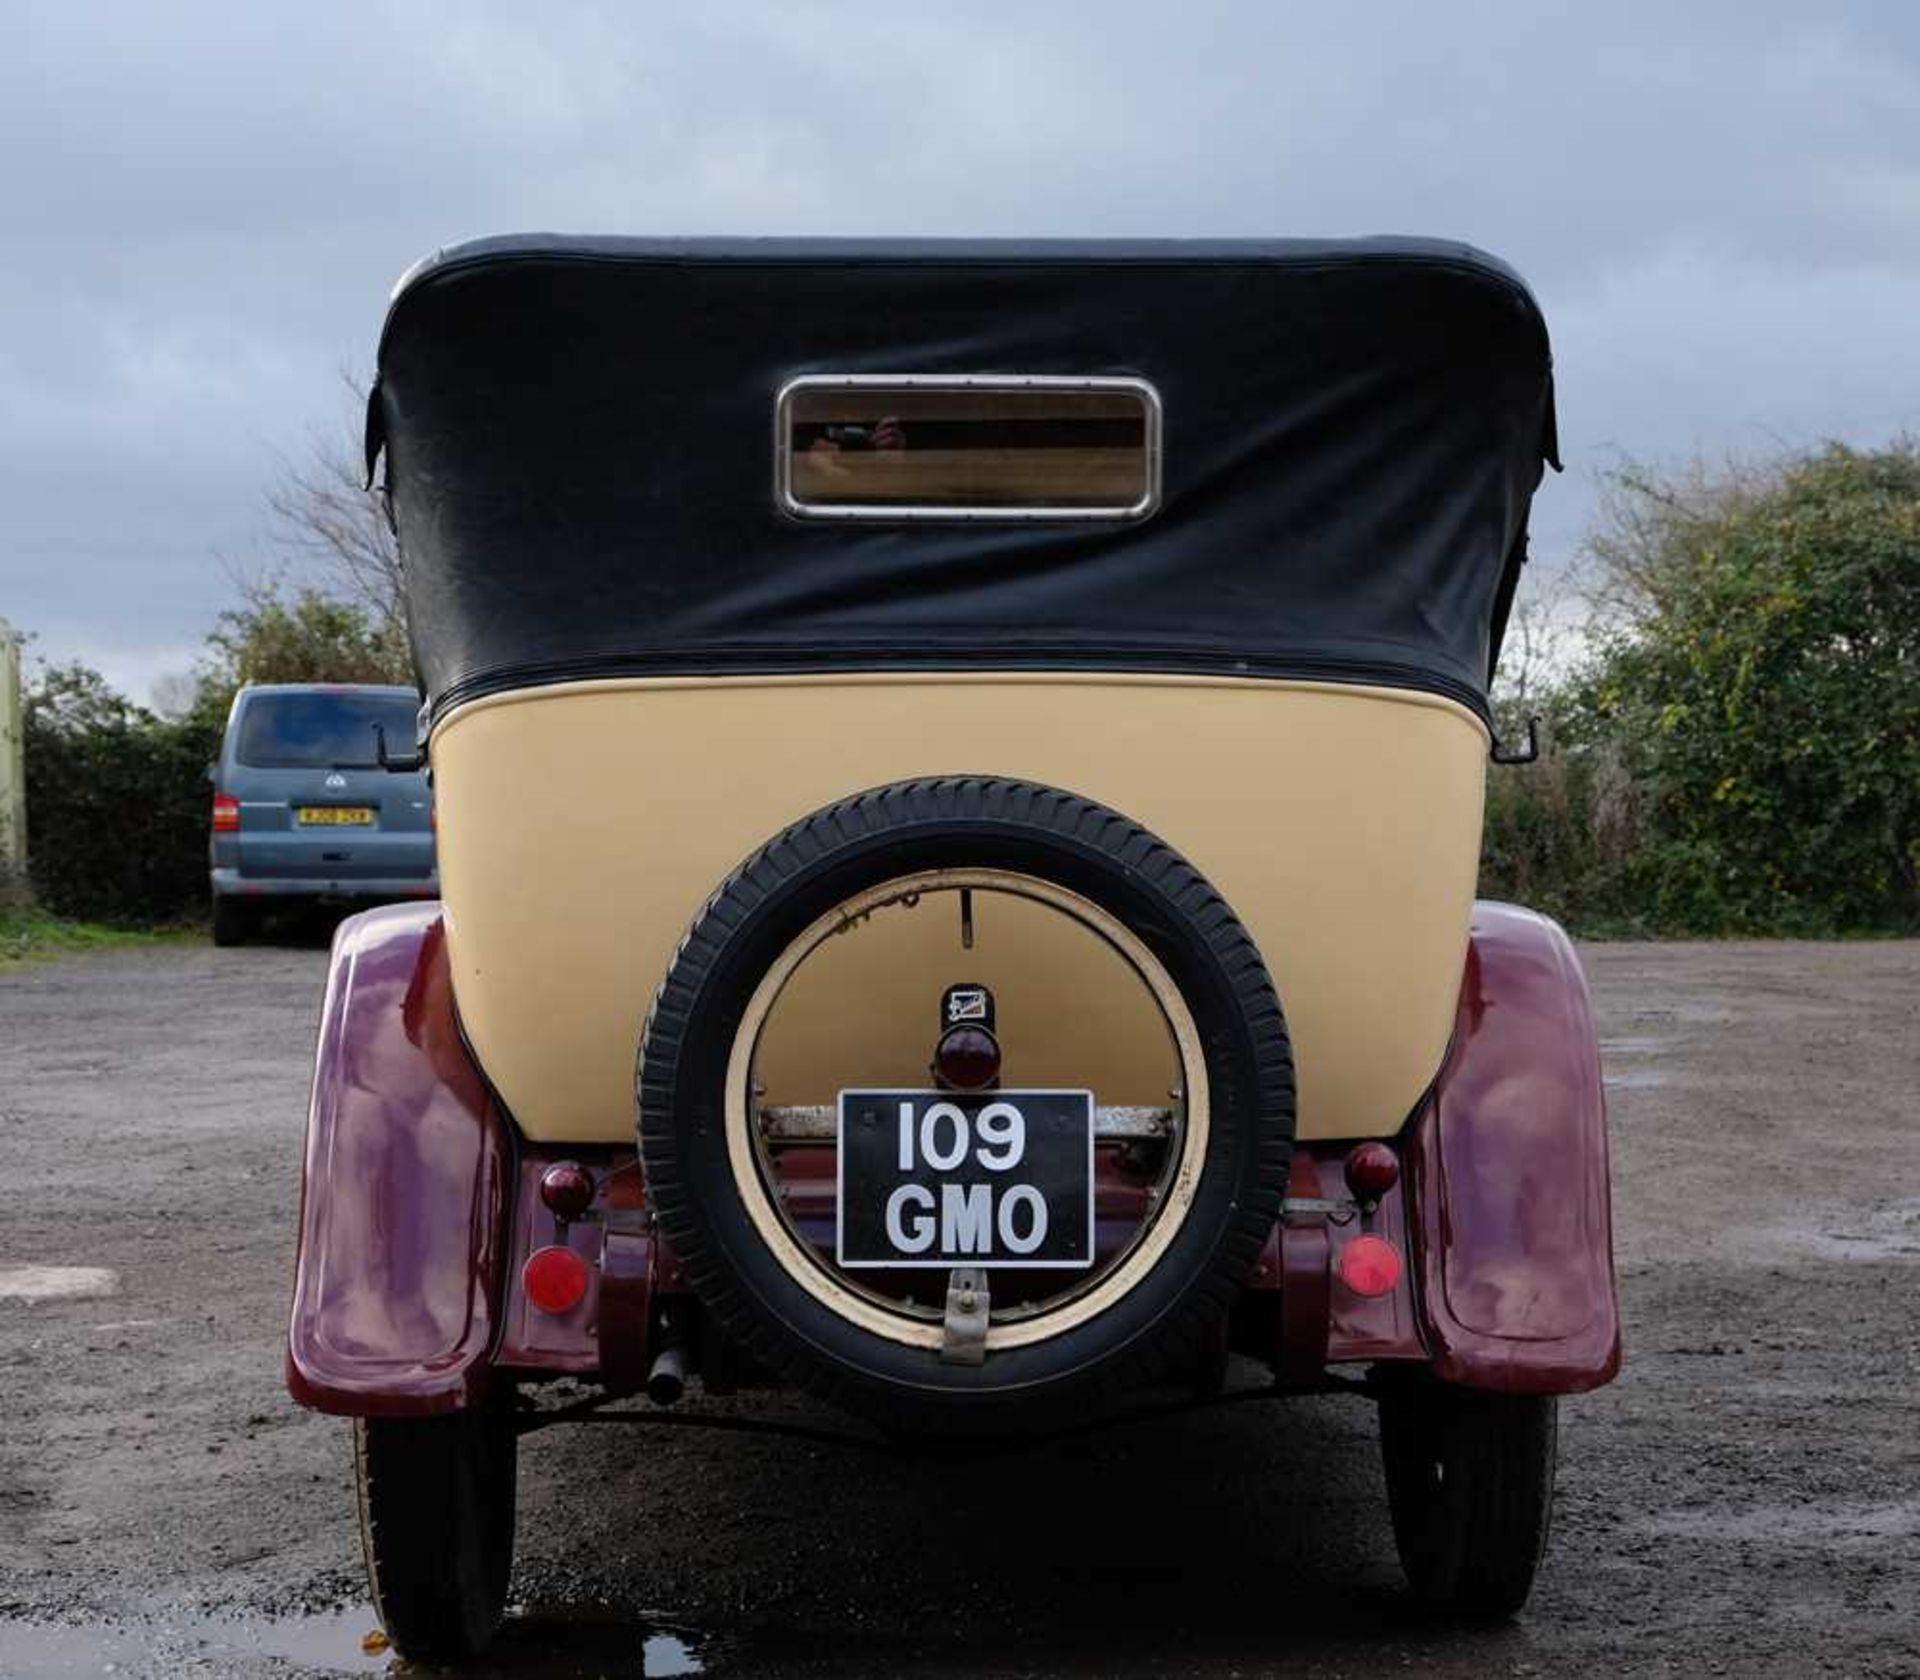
(939, 1179)
(334, 816)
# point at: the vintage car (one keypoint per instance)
(959, 770)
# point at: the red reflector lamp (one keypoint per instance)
(567, 1188)
(1372, 1170)
(967, 1059)
(555, 1279)
(226, 813)
(1370, 1266)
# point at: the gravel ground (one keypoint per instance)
(1743, 1501)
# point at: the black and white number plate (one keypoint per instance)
(938, 1178)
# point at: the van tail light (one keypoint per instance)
(226, 814)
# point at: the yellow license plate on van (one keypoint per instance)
(334, 816)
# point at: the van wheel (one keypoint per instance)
(232, 921)
(436, 1522)
(1470, 1483)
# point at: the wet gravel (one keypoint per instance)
(1745, 1500)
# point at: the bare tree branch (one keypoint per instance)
(335, 530)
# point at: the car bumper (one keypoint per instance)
(230, 883)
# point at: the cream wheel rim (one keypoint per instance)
(1121, 1275)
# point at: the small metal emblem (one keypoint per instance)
(335, 779)
(967, 1003)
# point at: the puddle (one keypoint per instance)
(532, 1645)
(31, 1652)
(1635, 1046)
(1634, 1079)
(1888, 1232)
(56, 1283)
(1827, 1527)
(330, 1643)
(668, 1653)
(1615, 1050)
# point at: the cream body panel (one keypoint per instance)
(583, 825)
(1072, 1013)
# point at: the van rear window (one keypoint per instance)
(322, 730)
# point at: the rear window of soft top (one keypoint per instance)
(322, 730)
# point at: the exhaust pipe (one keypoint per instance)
(667, 1376)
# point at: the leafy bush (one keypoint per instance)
(117, 800)
(116, 803)
(303, 637)
(1562, 836)
(1740, 750)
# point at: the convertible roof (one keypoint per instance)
(579, 440)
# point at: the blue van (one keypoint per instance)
(302, 808)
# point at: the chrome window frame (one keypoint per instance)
(913, 514)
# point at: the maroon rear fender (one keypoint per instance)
(1507, 1170)
(404, 1190)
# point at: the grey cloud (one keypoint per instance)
(1720, 205)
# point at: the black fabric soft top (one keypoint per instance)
(579, 438)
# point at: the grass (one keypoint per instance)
(29, 935)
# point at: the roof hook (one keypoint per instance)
(1500, 753)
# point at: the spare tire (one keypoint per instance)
(1150, 1318)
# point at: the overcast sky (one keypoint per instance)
(202, 208)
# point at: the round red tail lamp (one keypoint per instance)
(1370, 1266)
(555, 1279)
(967, 1058)
(567, 1188)
(1372, 1170)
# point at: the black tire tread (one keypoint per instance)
(232, 921)
(1472, 1545)
(436, 1503)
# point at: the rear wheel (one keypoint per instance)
(232, 921)
(1470, 1482)
(436, 1521)
(1178, 1235)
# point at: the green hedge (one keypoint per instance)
(117, 804)
(1739, 753)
